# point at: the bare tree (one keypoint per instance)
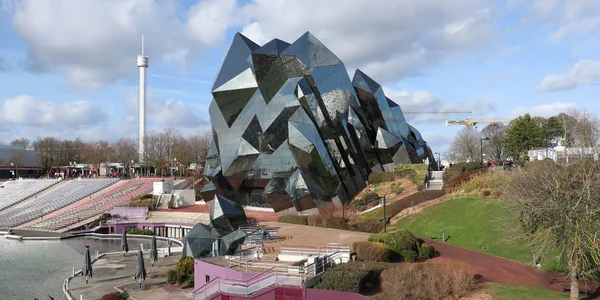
(124, 151)
(199, 145)
(466, 145)
(559, 208)
(494, 147)
(586, 130)
(17, 160)
(159, 149)
(22, 142)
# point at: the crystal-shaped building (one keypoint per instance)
(291, 130)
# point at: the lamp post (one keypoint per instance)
(481, 147)
(173, 170)
(384, 214)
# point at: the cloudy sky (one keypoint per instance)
(68, 67)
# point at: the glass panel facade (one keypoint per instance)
(291, 130)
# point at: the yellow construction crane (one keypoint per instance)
(426, 111)
(473, 122)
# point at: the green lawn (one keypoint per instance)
(474, 223)
(510, 292)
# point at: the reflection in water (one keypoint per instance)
(37, 268)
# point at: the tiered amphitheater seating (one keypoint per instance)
(61, 196)
(12, 192)
(118, 195)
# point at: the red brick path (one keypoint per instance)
(497, 269)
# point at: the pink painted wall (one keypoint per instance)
(203, 268)
(285, 293)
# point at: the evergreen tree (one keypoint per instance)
(523, 134)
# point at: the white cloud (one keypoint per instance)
(585, 72)
(387, 40)
(566, 17)
(423, 100)
(437, 141)
(95, 42)
(25, 110)
(544, 110)
(168, 112)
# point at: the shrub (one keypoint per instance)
(426, 251)
(486, 193)
(397, 240)
(372, 251)
(352, 276)
(397, 189)
(409, 255)
(415, 172)
(459, 168)
(140, 231)
(375, 178)
(181, 278)
(370, 227)
(301, 220)
(172, 277)
(338, 279)
(336, 223)
(185, 266)
(315, 221)
(357, 203)
(368, 197)
(146, 196)
(116, 296)
(429, 281)
(189, 281)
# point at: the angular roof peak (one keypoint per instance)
(364, 82)
(274, 47)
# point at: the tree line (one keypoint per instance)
(161, 149)
(578, 128)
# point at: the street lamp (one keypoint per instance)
(481, 147)
(384, 213)
(173, 171)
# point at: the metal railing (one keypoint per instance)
(276, 275)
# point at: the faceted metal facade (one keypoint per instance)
(292, 131)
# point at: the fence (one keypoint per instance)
(275, 275)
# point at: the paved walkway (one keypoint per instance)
(303, 235)
(498, 269)
(117, 271)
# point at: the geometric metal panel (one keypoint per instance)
(292, 130)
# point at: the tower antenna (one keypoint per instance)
(142, 44)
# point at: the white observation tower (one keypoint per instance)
(142, 63)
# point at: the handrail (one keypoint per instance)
(262, 277)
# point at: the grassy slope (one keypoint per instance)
(474, 223)
(510, 292)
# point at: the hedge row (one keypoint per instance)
(333, 222)
(301, 220)
(402, 244)
(356, 277)
(140, 231)
(397, 240)
(115, 296)
(372, 251)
